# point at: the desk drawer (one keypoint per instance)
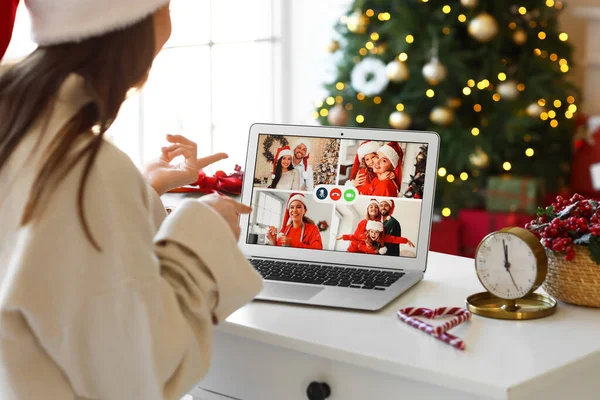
(249, 370)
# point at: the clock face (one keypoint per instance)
(506, 266)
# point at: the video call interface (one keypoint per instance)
(342, 195)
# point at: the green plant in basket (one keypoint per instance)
(567, 223)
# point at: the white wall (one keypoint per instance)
(309, 33)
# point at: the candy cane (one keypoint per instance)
(439, 332)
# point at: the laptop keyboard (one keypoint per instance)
(359, 278)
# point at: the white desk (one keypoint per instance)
(273, 351)
(270, 351)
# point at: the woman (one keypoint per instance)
(373, 214)
(284, 176)
(389, 159)
(373, 241)
(297, 229)
(100, 297)
(362, 169)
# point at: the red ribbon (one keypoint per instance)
(219, 183)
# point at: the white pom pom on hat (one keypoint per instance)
(56, 22)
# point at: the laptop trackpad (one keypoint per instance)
(290, 292)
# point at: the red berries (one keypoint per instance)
(565, 221)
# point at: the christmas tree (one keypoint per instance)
(489, 76)
(326, 170)
(415, 186)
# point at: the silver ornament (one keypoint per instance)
(508, 90)
(483, 27)
(469, 3)
(434, 71)
(441, 116)
(397, 71)
(400, 120)
(534, 110)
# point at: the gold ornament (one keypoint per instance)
(454, 103)
(508, 90)
(397, 71)
(441, 116)
(534, 110)
(400, 120)
(434, 72)
(338, 116)
(469, 3)
(479, 159)
(333, 46)
(357, 22)
(483, 27)
(520, 37)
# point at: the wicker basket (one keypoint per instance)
(577, 281)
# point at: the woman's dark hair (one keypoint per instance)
(110, 64)
(278, 173)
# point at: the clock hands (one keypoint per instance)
(507, 264)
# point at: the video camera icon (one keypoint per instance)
(335, 194)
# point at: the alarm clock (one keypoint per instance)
(511, 264)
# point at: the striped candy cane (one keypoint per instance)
(439, 332)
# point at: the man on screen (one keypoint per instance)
(391, 226)
(301, 152)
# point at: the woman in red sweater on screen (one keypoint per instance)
(389, 161)
(297, 229)
(374, 240)
(373, 214)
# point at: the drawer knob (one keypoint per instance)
(318, 391)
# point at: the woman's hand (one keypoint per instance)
(339, 238)
(360, 180)
(411, 244)
(272, 235)
(389, 176)
(163, 176)
(229, 209)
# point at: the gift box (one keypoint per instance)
(476, 224)
(512, 194)
(445, 235)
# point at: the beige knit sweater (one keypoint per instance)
(133, 321)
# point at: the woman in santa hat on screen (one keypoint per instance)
(297, 229)
(284, 176)
(301, 153)
(373, 241)
(373, 214)
(104, 296)
(389, 159)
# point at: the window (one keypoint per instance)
(268, 212)
(218, 73)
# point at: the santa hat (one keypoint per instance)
(375, 226)
(282, 151)
(364, 148)
(8, 12)
(373, 201)
(55, 22)
(392, 205)
(293, 197)
(307, 144)
(394, 153)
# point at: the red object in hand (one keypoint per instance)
(219, 183)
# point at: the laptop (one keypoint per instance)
(341, 216)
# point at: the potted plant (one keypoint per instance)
(569, 229)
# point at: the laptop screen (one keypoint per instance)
(337, 195)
